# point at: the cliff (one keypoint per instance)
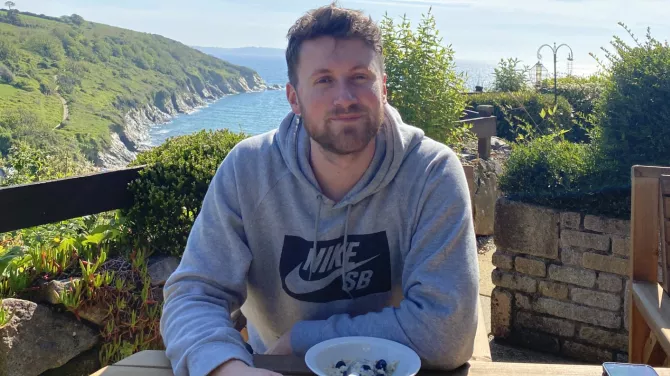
(72, 84)
(133, 136)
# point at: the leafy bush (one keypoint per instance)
(582, 93)
(46, 46)
(421, 78)
(169, 193)
(515, 112)
(29, 164)
(554, 172)
(508, 77)
(634, 116)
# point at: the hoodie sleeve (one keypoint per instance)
(208, 285)
(438, 316)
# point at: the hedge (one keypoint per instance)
(524, 107)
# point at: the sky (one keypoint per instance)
(477, 30)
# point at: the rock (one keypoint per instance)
(96, 314)
(498, 144)
(50, 292)
(37, 339)
(161, 268)
(84, 364)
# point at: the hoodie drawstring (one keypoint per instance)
(345, 246)
(316, 230)
(344, 250)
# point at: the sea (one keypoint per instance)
(258, 112)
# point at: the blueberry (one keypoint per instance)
(381, 364)
(366, 367)
(340, 364)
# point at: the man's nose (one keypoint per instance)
(345, 95)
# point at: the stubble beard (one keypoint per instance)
(347, 140)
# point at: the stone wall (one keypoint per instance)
(561, 281)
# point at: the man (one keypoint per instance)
(344, 221)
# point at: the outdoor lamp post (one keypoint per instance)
(555, 49)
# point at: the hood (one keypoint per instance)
(394, 141)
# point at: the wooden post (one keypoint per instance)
(484, 143)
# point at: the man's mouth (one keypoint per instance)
(348, 117)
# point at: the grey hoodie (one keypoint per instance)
(395, 258)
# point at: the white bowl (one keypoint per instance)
(321, 357)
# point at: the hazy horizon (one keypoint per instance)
(478, 30)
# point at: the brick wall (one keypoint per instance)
(561, 281)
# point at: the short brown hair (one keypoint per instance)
(331, 21)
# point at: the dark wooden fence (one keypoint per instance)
(35, 204)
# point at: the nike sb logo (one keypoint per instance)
(330, 272)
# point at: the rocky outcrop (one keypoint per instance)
(133, 136)
(37, 338)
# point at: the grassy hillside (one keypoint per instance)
(101, 72)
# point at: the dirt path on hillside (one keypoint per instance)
(66, 110)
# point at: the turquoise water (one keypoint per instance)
(255, 113)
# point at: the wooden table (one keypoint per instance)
(154, 363)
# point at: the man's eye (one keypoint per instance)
(323, 80)
(359, 77)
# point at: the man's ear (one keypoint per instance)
(385, 97)
(292, 97)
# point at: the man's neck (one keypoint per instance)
(338, 174)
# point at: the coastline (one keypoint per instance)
(134, 136)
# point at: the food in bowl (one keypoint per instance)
(363, 367)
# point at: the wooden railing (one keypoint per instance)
(35, 204)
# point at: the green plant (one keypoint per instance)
(515, 112)
(633, 116)
(509, 77)
(30, 164)
(582, 93)
(121, 286)
(169, 192)
(421, 78)
(552, 171)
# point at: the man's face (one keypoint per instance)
(340, 93)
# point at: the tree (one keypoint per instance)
(422, 81)
(10, 4)
(77, 19)
(508, 77)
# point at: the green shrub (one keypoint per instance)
(509, 77)
(634, 112)
(582, 93)
(515, 110)
(169, 192)
(421, 77)
(554, 172)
